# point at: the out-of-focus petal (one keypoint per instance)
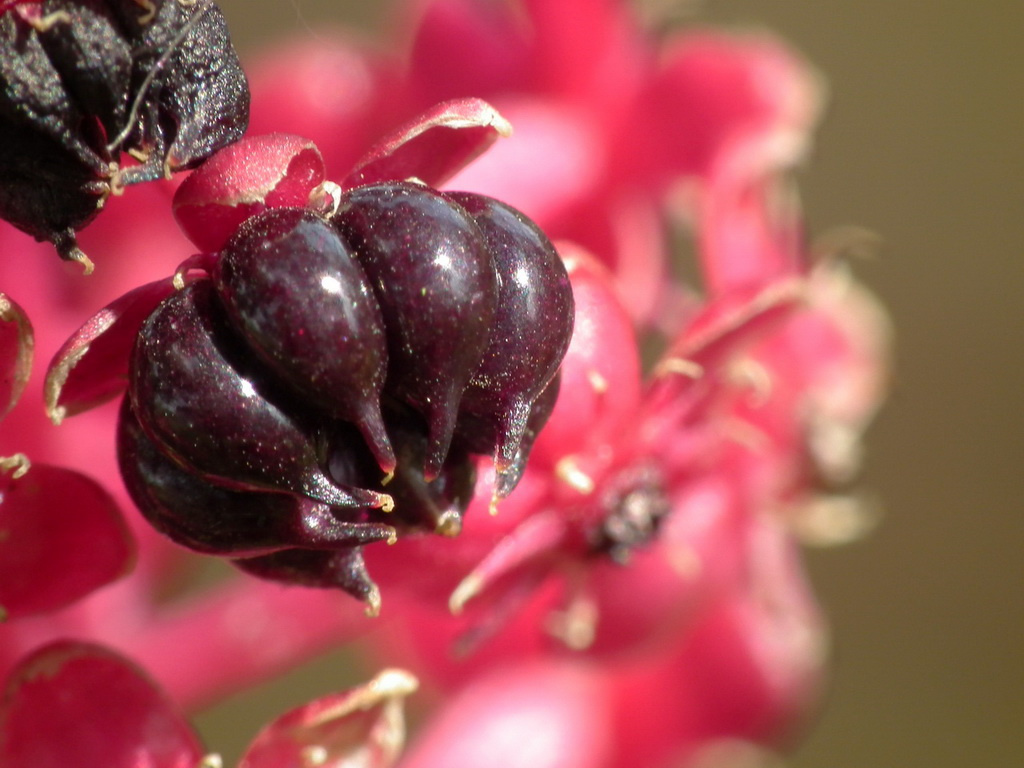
(718, 94)
(430, 567)
(750, 233)
(63, 538)
(552, 161)
(257, 172)
(757, 662)
(843, 342)
(644, 607)
(749, 668)
(77, 704)
(467, 48)
(534, 715)
(92, 365)
(327, 87)
(433, 146)
(360, 728)
(587, 51)
(16, 346)
(697, 358)
(601, 370)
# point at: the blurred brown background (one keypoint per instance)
(923, 143)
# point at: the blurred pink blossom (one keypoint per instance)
(639, 599)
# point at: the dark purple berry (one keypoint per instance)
(433, 279)
(292, 289)
(531, 328)
(199, 394)
(340, 569)
(217, 520)
(540, 412)
(435, 506)
(477, 434)
(84, 81)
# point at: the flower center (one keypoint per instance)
(634, 506)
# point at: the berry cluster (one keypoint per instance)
(329, 381)
(85, 80)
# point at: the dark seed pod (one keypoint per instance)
(531, 329)
(340, 569)
(212, 519)
(93, 60)
(198, 100)
(434, 506)
(476, 434)
(433, 279)
(197, 393)
(85, 80)
(292, 289)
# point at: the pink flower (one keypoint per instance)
(639, 599)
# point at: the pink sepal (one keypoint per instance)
(16, 346)
(259, 172)
(64, 537)
(434, 146)
(92, 366)
(77, 704)
(363, 727)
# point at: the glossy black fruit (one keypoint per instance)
(437, 289)
(199, 394)
(341, 569)
(531, 328)
(292, 289)
(412, 332)
(434, 506)
(213, 519)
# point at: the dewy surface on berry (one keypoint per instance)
(532, 324)
(196, 391)
(224, 521)
(430, 269)
(293, 290)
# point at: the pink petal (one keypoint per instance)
(430, 567)
(750, 668)
(586, 50)
(335, 90)
(750, 232)
(92, 366)
(648, 605)
(718, 94)
(63, 538)
(534, 715)
(722, 330)
(553, 160)
(361, 728)
(76, 704)
(601, 370)
(16, 346)
(843, 343)
(756, 663)
(626, 232)
(433, 146)
(467, 48)
(255, 173)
